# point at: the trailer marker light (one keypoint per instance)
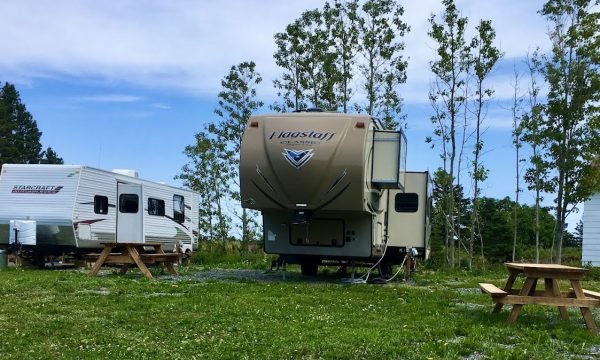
(360, 125)
(254, 123)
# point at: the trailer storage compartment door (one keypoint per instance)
(22, 232)
(318, 232)
(389, 159)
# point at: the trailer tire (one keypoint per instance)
(309, 268)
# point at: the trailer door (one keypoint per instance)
(130, 213)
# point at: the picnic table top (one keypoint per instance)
(545, 267)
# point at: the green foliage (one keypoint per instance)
(287, 56)
(237, 102)
(318, 55)
(442, 222)
(19, 134)
(49, 156)
(447, 98)
(232, 254)
(307, 53)
(208, 174)
(215, 157)
(569, 132)
(497, 227)
(342, 19)
(381, 29)
(483, 57)
(459, 67)
(496, 223)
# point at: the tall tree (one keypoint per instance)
(19, 133)
(237, 102)
(318, 60)
(530, 134)
(384, 68)
(446, 96)
(571, 127)
(49, 156)
(288, 56)
(209, 174)
(578, 234)
(517, 130)
(484, 58)
(441, 181)
(305, 49)
(342, 19)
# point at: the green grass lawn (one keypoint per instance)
(48, 314)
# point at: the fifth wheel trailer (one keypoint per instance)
(52, 209)
(333, 186)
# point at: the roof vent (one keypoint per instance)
(126, 172)
(309, 110)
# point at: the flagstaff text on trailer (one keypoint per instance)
(326, 136)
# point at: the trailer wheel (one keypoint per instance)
(385, 269)
(309, 268)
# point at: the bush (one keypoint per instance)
(231, 253)
(570, 256)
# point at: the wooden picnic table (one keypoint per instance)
(128, 254)
(551, 295)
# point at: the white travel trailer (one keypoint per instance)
(591, 231)
(69, 208)
(333, 186)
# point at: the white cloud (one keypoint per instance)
(160, 106)
(188, 46)
(519, 29)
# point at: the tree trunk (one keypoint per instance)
(537, 224)
(245, 236)
(560, 222)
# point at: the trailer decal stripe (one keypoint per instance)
(338, 180)
(177, 222)
(333, 198)
(267, 195)
(86, 222)
(265, 179)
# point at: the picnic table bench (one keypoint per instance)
(576, 296)
(128, 254)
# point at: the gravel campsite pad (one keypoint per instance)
(254, 275)
(233, 275)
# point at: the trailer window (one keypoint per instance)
(407, 202)
(178, 208)
(156, 207)
(100, 204)
(128, 203)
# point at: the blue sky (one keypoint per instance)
(126, 84)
